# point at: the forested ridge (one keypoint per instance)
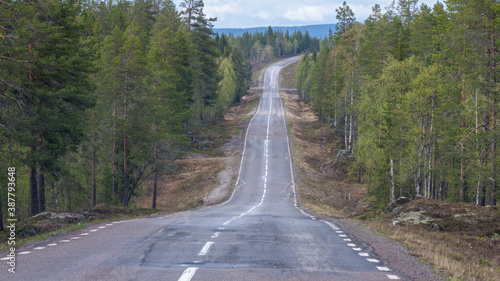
(318, 31)
(413, 92)
(261, 47)
(98, 97)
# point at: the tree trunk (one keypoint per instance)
(125, 146)
(115, 148)
(493, 121)
(155, 181)
(41, 190)
(1, 214)
(430, 183)
(349, 148)
(480, 200)
(391, 178)
(493, 156)
(492, 51)
(418, 178)
(94, 188)
(33, 187)
(463, 182)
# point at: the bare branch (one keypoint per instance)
(7, 58)
(462, 141)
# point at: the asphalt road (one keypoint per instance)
(259, 234)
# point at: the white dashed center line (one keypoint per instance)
(188, 274)
(206, 248)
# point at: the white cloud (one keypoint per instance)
(247, 13)
(361, 12)
(307, 14)
(223, 11)
(264, 15)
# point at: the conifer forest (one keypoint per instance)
(97, 97)
(413, 91)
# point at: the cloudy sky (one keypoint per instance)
(254, 13)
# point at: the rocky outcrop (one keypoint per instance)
(397, 203)
(62, 217)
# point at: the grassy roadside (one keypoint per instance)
(467, 247)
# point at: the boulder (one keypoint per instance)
(397, 210)
(28, 233)
(437, 227)
(63, 217)
(45, 216)
(398, 202)
(70, 217)
(343, 154)
(414, 218)
(396, 223)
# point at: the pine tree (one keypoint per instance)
(345, 17)
(56, 90)
(203, 55)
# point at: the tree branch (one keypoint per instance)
(7, 58)
(462, 141)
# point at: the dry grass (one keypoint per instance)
(187, 187)
(461, 257)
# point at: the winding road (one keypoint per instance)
(258, 234)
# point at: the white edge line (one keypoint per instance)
(188, 274)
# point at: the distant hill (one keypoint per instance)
(319, 31)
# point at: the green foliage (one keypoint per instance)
(96, 97)
(418, 88)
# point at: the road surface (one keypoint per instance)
(259, 234)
